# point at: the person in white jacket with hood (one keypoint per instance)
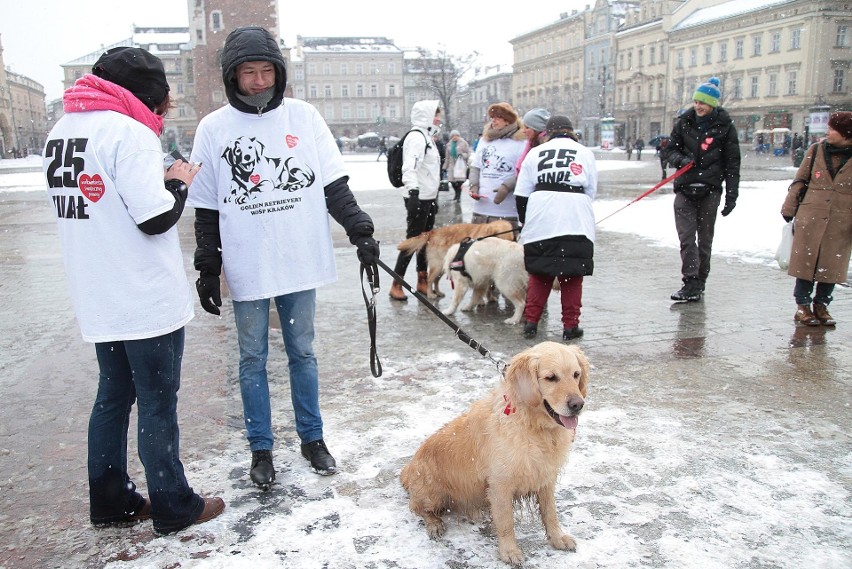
(421, 175)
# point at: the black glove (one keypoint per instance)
(683, 162)
(413, 203)
(787, 218)
(368, 249)
(730, 204)
(209, 294)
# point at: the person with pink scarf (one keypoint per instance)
(116, 208)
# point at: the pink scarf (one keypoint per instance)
(91, 93)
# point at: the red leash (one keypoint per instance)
(651, 191)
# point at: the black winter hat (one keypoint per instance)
(558, 122)
(841, 121)
(137, 71)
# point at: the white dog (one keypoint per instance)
(488, 261)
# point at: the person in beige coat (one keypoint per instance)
(820, 200)
(457, 148)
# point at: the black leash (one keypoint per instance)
(373, 279)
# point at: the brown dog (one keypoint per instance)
(440, 239)
(509, 446)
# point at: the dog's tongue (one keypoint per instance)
(569, 422)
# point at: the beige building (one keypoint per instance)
(356, 83)
(781, 63)
(490, 84)
(23, 114)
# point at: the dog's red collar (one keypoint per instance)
(509, 408)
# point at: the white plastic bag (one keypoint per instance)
(782, 255)
(460, 169)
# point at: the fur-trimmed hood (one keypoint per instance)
(515, 131)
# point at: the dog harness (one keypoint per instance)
(457, 264)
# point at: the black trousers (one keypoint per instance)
(421, 220)
(695, 220)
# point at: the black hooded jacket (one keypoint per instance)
(254, 43)
(714, 147)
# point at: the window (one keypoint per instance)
(693, 56)
(392, 90)
(772, 90)
(329, 112)
(792, 76)
(775, 42)
(374, 69)
(312, 69)
(652, 55)
(344, 91)
(839, 81)
(360, 112)
(374, 90)
(796, 38)
(359, 90)
(312, 89)
(199, 35)
(621, 61)
(300, 74)
(641, 56)
(708, 54)
(842, 37)
(723, 51)
(359, 69)
(345, 112)
(630, 59)
(327, 91)
(391, 69)
(660, 91)
(755, 87)
(216, 22)
(755, 46)
(662, 54)
(679, 59)
(739, 48)
(344, 69)
(326, 68)
(738, 88)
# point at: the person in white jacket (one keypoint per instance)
(421, 175)
(556, 185)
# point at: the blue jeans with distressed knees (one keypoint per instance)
(296, 312)
(145, 372)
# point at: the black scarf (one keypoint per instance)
(843, 153)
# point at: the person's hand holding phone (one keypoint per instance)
(181, 169)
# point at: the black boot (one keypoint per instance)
(262, 472)
(321, 460)
(572, 333)
(690, 292)
(530, 329)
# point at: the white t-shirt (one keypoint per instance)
(551, 213)
(266, 176)
(496, 161)
(104, 176)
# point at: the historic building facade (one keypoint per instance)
(23, 114)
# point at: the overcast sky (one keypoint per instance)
(39, 36)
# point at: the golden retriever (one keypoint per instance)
(488, 261)
(509, 446)
(440, 239)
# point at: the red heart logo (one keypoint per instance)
(292, 140)
(708, 141)
(704, 146)
(817, 174)
(255, 179)
(91, 186)
(576, 168)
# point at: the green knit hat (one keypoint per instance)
(708, 92)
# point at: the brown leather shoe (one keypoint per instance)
(144, 512)
(821, 313)
(396, 292)
(422, 287)
(212, 508)
(805, 316)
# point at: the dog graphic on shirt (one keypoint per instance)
(493, 161)
(252, 172)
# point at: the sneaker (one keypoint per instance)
(530, 329)
(262, 472)
(572, 333)
(690, 292)
(321, 460)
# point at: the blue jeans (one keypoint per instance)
(804, 288)
(147, 372)
(296, 312)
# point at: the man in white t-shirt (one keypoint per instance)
(272, 175)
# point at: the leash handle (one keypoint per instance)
(372, 274)
(651, 191)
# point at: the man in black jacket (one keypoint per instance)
(706, 137)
